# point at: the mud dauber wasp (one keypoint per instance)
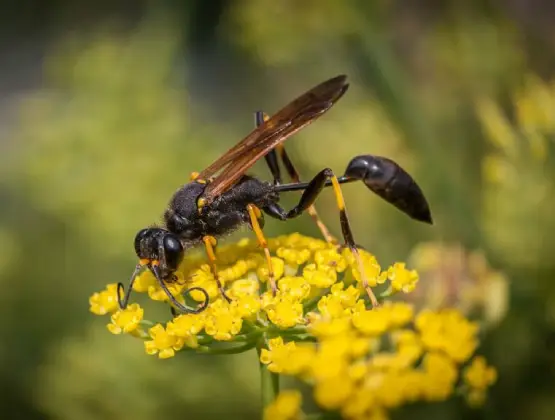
(221, 198)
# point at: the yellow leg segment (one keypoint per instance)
(255, 214)
(349, 238)
(209, 243)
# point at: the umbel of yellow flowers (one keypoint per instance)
(362, 362)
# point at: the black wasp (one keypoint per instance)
(221, 198)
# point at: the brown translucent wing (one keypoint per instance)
(286, 122)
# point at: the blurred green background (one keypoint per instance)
(107, 106)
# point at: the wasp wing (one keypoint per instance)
(286, 122)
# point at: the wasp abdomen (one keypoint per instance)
(392, 183)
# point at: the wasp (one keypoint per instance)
(223, 197)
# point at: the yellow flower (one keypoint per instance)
(163, 343)
(278, 266)
(287, 358)
(401, 278)
(371, 267)
(392, 389)
(331, 306)
(156, 293)
(357, 371)
(348, 296)
(283, 310)
(361, 361)
(330, 258)
(339, 301)
(391, 361)
(332, 392)
(358, 404)
(448, 331)
(187, 324)
(379, 320)
(144, 282)
(399, 313)
(322, 328)
(299, 360)
(440, 377)
(247, 306)
(186, 327)
(234, 272)
(329, 363)
(202, 277)
(271, 356)
(244, 287)
(222, 321)
(293, 256)
(295, 287)
(127, 320)
(479, 375)
(321, 277)
(287, 406)
(104, 302)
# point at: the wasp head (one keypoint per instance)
(161, 252)
(160, 248)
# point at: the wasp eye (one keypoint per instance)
(138, 239)
(173, 251)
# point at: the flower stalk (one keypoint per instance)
(269, 381)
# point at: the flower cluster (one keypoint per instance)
(319, 327)
(368, 361)
(455, 277)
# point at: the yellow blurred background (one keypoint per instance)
(106, 108)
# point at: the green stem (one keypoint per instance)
(311, 304)
(249, 337)
(289, 331)
(269, 381)
(225, 350)
(321, 416)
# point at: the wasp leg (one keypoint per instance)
(162, 264)
(255, 215)
(307, 199)
(272, 161)
(209, 244)
(271, 157)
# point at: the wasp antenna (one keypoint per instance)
(121, 288)
(156, 271)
